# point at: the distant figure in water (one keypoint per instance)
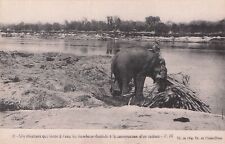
(113, 46)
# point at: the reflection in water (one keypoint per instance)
(84, 50)
(205, 67)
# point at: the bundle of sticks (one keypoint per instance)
(177, 95)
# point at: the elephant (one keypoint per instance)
(137, 64)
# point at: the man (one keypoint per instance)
(163, 70)
(161, 76)
(156, 47)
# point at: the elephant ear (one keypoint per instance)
(151, 65)
(154, 62)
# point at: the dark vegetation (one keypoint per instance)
(152, 26)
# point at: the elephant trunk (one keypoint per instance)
(161, 79)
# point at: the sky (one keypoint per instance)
(32, 11)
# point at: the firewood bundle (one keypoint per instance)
(177, 95)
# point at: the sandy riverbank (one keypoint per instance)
(104, 36)
(126, 117)
(54, 90)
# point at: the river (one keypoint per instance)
(205, 63)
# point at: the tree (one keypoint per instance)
(110, 22)
(56, 27)
(19, 27)
(161, 29)
(151, 22)
(47, 27)
(127, 26)
(116, 22)
(175, 28)
(66, 25)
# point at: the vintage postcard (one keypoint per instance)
(112, 71)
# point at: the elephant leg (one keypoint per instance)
(125, 85)
(117, 85)
(139, 85)
(119, 81)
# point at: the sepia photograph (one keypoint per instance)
(112, 65)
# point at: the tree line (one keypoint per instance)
(152, 24)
